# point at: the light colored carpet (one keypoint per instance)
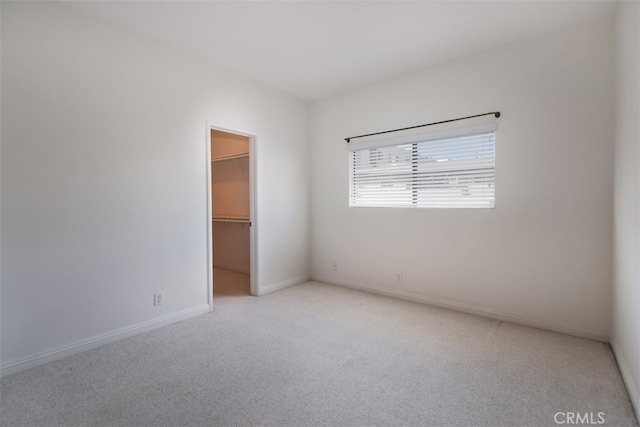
(316, 354)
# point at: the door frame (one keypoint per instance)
(253, 261)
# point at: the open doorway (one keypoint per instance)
(231, 206)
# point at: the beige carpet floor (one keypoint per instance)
(316, 354)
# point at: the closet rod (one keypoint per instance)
(238, 220)
(495, 113)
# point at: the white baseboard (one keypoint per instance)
(100, 340)
(263, 290)
(471, 309)
(632, 387)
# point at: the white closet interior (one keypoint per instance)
(230, 198)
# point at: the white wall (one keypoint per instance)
(626, 290)
(104, 180)
(543, 256)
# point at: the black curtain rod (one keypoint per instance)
(496, 113)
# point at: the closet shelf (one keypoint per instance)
(230, 157)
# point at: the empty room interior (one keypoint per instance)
(320, 213)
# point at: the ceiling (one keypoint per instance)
(316, 49)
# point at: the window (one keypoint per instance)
(451, 169)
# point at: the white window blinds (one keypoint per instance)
(451, 169)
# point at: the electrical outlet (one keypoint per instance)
(158, 299)
(399, 277)
(335, 266)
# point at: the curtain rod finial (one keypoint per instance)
(348, 140)
(497, 113)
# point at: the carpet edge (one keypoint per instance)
(632, 389)
(100, 340)
(476, 310)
